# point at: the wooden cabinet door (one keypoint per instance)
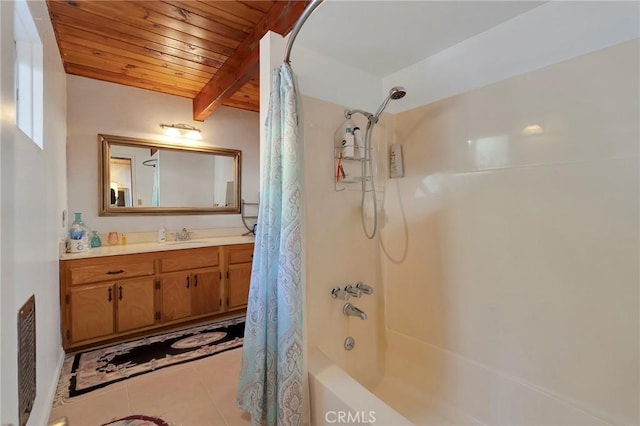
(238, 285)
(176, 296)
(92, 311)
(206, 292)
(135, 307)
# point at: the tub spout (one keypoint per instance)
(351, 311)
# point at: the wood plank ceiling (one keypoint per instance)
(207, 51)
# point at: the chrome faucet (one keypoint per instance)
(183, 235)
(351, 311)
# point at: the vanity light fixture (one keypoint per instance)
(181, 130)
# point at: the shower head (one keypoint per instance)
(397, 92)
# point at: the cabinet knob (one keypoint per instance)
(195, 284)
(188, 282)
(120, 271)
(120, 293)
(110, 298)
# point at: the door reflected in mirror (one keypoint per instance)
(150, 177)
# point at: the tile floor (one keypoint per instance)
(199, 393)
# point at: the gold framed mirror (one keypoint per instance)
(148, 177)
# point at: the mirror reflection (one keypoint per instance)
(150, 177)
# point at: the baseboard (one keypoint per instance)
(45, 413)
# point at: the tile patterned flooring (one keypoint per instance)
(198, 393)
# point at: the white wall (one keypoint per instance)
(518, 299)
(33, 196)
(324, 78)
(98, 107)
(550, 33)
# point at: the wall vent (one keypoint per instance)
(26, 359)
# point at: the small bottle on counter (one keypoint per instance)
(123, 238)
(162, 235)
(95, 240)
(113, 238)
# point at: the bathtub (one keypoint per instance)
(395, 400)
(336, 398)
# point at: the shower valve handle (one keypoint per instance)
(366, 289)
(338, 293)
(351, 290)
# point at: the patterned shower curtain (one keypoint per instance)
(271, 386)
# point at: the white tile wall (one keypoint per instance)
(522, 266)
(338, 253)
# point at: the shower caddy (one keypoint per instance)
(352, 171)
(347, 170)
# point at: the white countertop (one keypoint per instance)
(117, 250)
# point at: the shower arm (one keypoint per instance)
(349, 112)
(296, 28)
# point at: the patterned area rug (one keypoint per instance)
(87, 371)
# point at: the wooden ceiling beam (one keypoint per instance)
(244, 63)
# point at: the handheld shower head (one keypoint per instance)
(397, 92)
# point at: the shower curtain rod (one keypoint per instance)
(296, 29)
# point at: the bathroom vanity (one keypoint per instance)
(118, 293)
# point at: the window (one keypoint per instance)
(29, 74)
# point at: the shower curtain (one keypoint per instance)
(271, 386)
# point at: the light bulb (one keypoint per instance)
(193, 134)
(172, 131)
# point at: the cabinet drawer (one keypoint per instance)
(114, 270)
(182, 260)
(241, 254)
